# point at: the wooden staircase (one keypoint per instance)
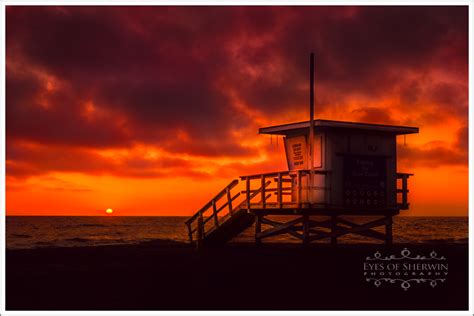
(230, 227)
(232, 210)
(226, 215)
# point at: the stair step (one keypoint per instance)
(229, 228)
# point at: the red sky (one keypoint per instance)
(151, 110)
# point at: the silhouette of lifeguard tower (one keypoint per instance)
(335, 169)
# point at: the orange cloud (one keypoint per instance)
(150, 111)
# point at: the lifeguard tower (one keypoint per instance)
(335, 169)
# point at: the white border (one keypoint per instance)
(471, 173)
(3, 206)
(236, 2)
(220, 3)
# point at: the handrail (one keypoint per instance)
(226, 204)
(222, 207)
(254, 194)
(404, 190)
(217, 197)
(254, 177)
(290, 173)
(226, 191)
(268, 190)
(266, 175)
(402, 174)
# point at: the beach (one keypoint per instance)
(167, 275)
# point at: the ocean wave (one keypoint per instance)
(84, 231)
(99, 225)
(447, 240)
(43, 244)
(94, 240)
(80, 226)
(78, 239)
(21, 236)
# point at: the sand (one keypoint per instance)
(165, 275)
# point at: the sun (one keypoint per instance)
(109, 211)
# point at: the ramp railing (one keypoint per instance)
(197, 223)
(268, 190)
(404, 205)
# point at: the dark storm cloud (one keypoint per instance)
(154, 72)
(161, 79)
(374, 115)
(54, 117)
(364, 51)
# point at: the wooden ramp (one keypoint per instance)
(229, 228)
(224, 216)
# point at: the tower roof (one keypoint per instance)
(320, 125)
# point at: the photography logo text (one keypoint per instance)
(405, 269)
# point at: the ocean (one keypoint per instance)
(26, 232)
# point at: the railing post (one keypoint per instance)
(293, 187)
(262, 193)
(327, 188)
(247, 184)
(200, 231)
(280, 193)
(333, 231)
(298, 200)
(388, 231)
(258, 229)
(405, 190)
(229, 201)
(305, 219)
(214, 210)
(190, 234)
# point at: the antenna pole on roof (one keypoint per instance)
(311, 126)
